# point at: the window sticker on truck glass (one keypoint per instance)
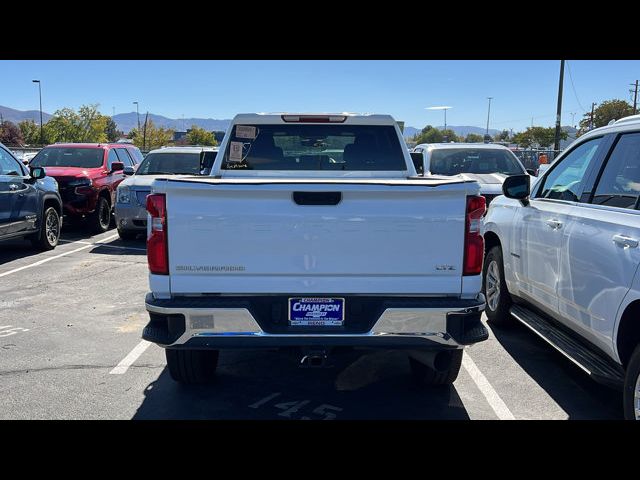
(245, 131)
(235, 152)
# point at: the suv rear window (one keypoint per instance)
(68, 157)
(452, 161)
(170, 163)
(314, 147)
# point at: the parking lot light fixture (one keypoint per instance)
(40, 94)
(138, 115)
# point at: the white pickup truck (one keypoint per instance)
(313, 231)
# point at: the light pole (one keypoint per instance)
(488, 113)
(138, 114)
(445, 108)
(40, 93)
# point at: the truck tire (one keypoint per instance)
(49, 234)
(495, 289)
(631, 396)
(192, 366)
(426, 376)
(100, 219)
(127, 234)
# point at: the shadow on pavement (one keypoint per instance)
(269, 385)
(572, 389)
(120, 247)
(11, 250)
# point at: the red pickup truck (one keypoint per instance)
(88, 175)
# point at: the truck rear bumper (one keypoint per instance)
(243, 322)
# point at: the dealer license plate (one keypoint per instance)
(323, 312)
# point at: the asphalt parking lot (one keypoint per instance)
(70, 348)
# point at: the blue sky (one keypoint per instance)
(219, 89)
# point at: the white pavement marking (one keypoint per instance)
(101, 244)
(127, 361)
(495, 402)
(40, 262)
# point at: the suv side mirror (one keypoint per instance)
(517, 187)
(38, 173)
(128, 170)
(117, 167)
(418, 161)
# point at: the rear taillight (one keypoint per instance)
(473, 241)
(157, 251)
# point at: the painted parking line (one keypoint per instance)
(48, 259)
(494, 400)
(127, 361)
(102, 244)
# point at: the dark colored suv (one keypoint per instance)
(88, 175)
(30, 205)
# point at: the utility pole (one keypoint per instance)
(591, 121)
(573, 116)
(556, 143)
(635, 97)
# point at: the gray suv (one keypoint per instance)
(130, 209)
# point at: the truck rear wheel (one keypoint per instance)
(495, 289)
(425, 375)
(192, 366)
(631, 396)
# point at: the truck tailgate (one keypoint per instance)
(402, 237)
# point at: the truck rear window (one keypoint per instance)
(314, 147)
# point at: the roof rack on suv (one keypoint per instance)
(631, 118)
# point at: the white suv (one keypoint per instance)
(563, 258)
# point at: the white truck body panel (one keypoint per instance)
(249, 237)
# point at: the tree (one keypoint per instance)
(502, 136)
(449, 136)
(10, 134)
(199, 136)
(522, 139)
(607, 111)
(156, 137)
(30, 132)
(473, 138)
(539, 136)
(111, 130)
(429, 134)
(87, 125)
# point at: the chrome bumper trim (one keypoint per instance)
(428, 323)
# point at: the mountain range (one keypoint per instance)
(17, 116)
(127, 121)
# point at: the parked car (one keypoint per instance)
(27, 157)
(88, 175)
(563, 258)
(30, 205)
(488, 164)
(130, 209)
(286, 246)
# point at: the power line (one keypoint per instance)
(574, 88)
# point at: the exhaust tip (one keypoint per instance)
(313, 361)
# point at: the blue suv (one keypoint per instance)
(30, 205)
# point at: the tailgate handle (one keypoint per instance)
(317, 198)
